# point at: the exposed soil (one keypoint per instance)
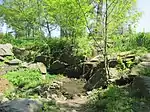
(4, 85)
(73, 87)
(75, 93)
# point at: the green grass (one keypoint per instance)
(114, 99)
(138, 43)
(25, 80)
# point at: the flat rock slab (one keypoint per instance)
(6, 50)
(14, 62)
(6, 68)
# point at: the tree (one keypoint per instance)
(22, 16)
(111, 14)
(68, 16)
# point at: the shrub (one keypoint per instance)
(131, 42)
(113, 99)
(24, 78)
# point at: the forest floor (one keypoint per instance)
(74, 99)
(4, 85)
(76, 103)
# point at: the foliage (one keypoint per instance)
(24, 81)
(113, 99)
(30, 18)
(25, 78)
(53, 47)
(50, 106)
(144, 71)
(135, 42)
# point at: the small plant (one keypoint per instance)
(113, 99)
(145, 72)
(24, 78)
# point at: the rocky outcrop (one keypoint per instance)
(93, 70)
(141, 68)
(21, 105)
(21, 53)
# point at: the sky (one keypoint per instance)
(143, 24)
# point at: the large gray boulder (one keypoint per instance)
(97, 80)
(21, 53)
(40, 66)
(6, 50)
(21, 105)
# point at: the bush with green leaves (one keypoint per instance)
(25, 78)
(113, 99)
(133, 42)
(144, 71)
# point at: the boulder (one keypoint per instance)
(114, 74)
(21, 105)
(42, 67)
(14, 62)
(6, 68)
(44, 59)
(141, 84)
(20, 53)
(2, 59)
(24, 65)
(146, 58)
(97, 80)
(58, 67)
(39, 66)
(6, 50)
(69, 59)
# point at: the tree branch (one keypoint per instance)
(88, 26)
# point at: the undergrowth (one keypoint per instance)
(25, 79)
(138, 43)
(24, 82)
(115, 99)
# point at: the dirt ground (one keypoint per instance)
(4, 85)
(75, 88)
